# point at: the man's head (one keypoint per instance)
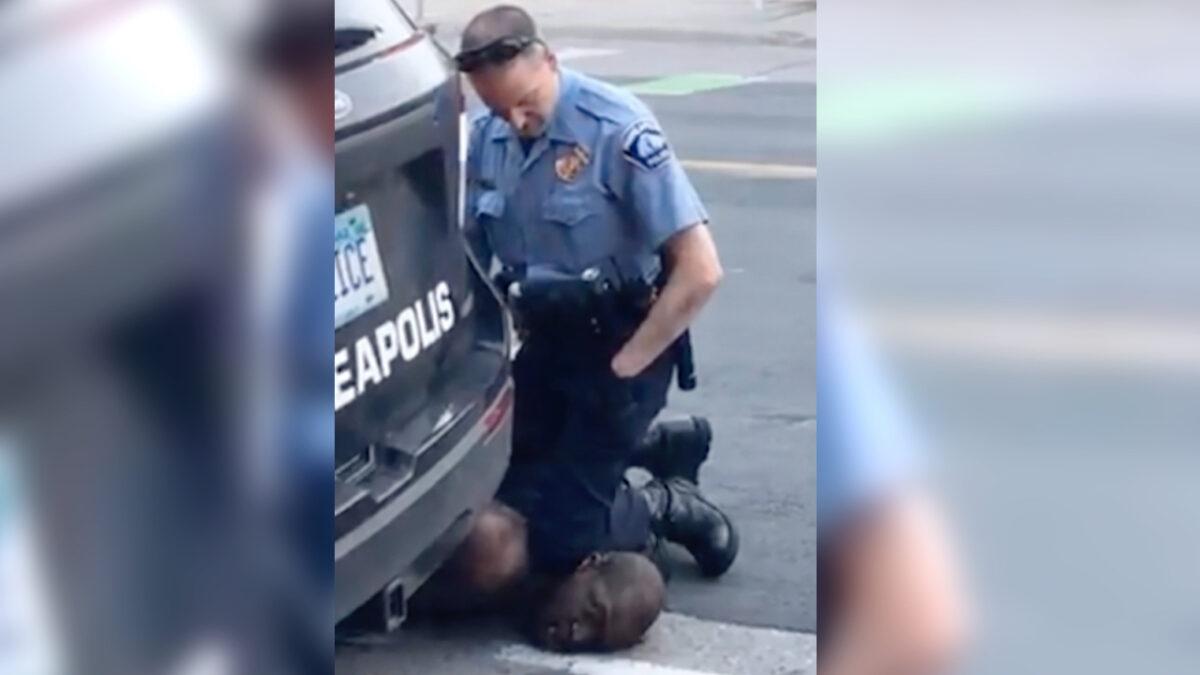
(608, 603)
(292, 48)
(510, 67)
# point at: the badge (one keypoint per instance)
(644, 145)
(569, 165)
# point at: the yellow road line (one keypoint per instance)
(752, 169)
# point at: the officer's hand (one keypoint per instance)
(627, 364)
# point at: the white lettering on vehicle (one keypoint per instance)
(415, 329)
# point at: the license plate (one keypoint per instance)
(359, 283)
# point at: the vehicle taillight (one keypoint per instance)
(495, 415)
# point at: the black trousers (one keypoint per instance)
(576, 426)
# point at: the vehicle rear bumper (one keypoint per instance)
(410, 537)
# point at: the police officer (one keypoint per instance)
(568, 174)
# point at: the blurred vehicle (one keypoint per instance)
(423, 395)
(121, 191)
(92, 207)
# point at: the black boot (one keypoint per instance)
(681, 514)
(656, 551)
(675, 448)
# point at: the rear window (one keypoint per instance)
(364, 27)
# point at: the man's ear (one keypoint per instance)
(599, 610)
(593, 561)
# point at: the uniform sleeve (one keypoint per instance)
(648, 177)
(475, 202)
(474, 146)
(867, 446)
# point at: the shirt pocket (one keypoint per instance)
(579, 228)
(570, 208)
(489, 204)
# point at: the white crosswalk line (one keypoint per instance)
(587, 664)
(683, 645)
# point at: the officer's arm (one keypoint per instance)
(694, 273)
(649, 178)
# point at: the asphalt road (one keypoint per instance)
(755, 350)
(755, 346)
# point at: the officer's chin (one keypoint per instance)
(531, 132)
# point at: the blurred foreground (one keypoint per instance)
(1007, 208)
(165, 176)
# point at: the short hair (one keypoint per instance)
(636, 594)
(294, 38)
(495, 24)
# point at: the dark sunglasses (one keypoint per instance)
(494, 53)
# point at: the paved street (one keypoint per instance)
(743, 121)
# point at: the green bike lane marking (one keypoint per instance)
(874, 110)
(687, 84)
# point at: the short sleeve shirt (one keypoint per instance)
(602, 182)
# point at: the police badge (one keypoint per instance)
(569, 165)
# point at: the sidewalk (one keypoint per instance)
(779, 22)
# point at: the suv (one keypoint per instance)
(422, 388)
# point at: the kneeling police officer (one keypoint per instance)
(607, 259)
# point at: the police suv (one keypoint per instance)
(422, 389)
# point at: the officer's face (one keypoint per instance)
(522, 91)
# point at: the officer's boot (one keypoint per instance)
(675, 448)
(681, 514)
(656, 551)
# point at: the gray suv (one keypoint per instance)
(422, 388)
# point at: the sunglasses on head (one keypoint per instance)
(494, 53)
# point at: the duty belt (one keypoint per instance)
(593, 305)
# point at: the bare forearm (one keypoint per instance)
(694, 277)
(674, 311)
(904, 610)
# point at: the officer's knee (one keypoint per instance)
(494, 555)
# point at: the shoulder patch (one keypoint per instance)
(643, 144)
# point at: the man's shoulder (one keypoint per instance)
(480, 119)
(608, 103)
(484, 124)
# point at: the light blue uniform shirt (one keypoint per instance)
(600, 183)
(867, 445)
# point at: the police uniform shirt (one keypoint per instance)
(868, 445)
(600, 183)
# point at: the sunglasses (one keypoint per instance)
(494, 53)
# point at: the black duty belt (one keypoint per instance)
(590, 307)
